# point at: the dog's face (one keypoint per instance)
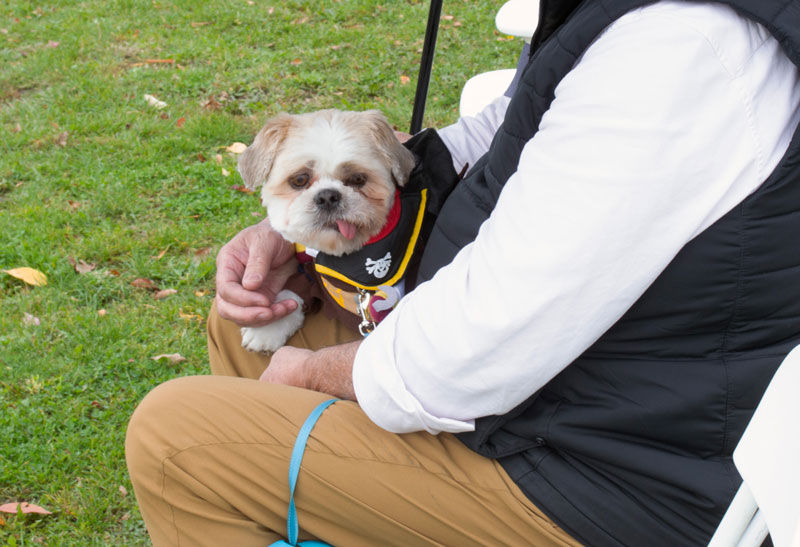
(328, 177)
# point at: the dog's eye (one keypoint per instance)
(358, 179)
(299, 181)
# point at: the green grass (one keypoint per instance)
(131, 182)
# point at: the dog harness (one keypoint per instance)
(369, 282)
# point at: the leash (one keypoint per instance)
(292, 527)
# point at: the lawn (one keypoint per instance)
(123, 206)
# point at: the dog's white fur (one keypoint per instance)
(352, 156)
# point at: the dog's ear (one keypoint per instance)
(256, 161)
(399, 159)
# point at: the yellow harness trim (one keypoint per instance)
(406, 258)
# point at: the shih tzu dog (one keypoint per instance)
(330, 182)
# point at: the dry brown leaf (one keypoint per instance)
(28, 275)
(200, 24)
(212, 104)
(62, 139)
(218, 159)
(102, 312)
(144, 283)
(2, 520)
(297, 61)
(202, 252)
(242, 189)
(160, 61)
(190, 316)
(30, 320)
(17, 128)
(52, 44)
(173, 358)
(160, 255)
(25, 507)
(236, 148)
(200, 294)
(404, 79)
(201, 158)
(74, 204)
(225, 172)
(123, 490)
(160, 295)
(270, 11)
(180, 121)
(81, 266)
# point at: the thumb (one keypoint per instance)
(256, 269)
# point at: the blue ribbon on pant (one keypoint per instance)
(292, 527)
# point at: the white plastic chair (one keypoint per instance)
(768, 459)
(515, 18)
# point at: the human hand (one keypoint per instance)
(287, 366)
(251, 269)
(329, 370)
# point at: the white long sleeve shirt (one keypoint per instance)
(674, 115)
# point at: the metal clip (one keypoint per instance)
(367, 325)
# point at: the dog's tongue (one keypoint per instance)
(347, 230)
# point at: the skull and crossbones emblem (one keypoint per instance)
(379, 268)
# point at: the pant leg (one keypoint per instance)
(229, 358)
(209, 457)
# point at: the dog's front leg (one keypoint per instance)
(270, 337)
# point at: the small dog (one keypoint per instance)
(329, 181)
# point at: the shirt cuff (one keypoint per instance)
(382, 393)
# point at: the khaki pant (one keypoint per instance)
(209, 457)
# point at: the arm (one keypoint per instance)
(649, 141)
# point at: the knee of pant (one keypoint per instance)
(153, 424)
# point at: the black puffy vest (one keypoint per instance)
(631, 444)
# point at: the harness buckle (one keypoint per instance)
(367, 325)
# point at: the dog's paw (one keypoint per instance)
(269, 338)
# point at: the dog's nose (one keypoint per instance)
(328, 199)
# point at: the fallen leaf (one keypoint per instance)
(28, 275)
(447, 17)
(2, 520)
(200, 24)
(190, 316)
(236, 148)
(102, 313)
(3, 31)
(202, 252)
(115, 273)
(17, 128)
(225, 172)
(25, 507)
(200, 294)
(125, 516)
(155, 103)
(218, 159)
(201, 158)
(81, 266)
(30, 320)
(297, 61)
(241, 189)
(144, 283)
(123, 490)
(160, 295)
(270, 11)
(52, 43)
(62, 139)
(212, 104)
(97, 404)
(457, 23)
(160, 61)
(74, 204)
(180, 122)
(404, 79)
(173, 358)
(160, 255)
